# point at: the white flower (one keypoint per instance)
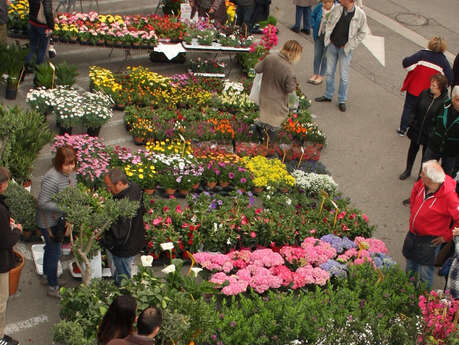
(196, 270)
(288, 201)
(169, 269)
(146, 260)
(228, 241)
(167, 246)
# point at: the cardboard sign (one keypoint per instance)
(185, 12)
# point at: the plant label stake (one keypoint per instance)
(336, 212)
(184, 144)
(193, 261)
(54, 74)
(301, 157)
(324, 196)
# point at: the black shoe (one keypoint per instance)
(404, 175)
(7, 340)
(342, 107)
(294, 29)
(305, 31)
(322, 99)
(406, 202)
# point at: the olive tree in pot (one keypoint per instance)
(22, 205)
(90, 213)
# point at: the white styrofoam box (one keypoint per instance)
(37, 254)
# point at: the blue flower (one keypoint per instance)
(334, 268)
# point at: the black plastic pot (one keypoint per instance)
(93, 131)
(63, 130)
(11, 93)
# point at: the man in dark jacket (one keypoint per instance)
(41, 22)
(3, 21)
(244, 13)
(9, 235)
(126, 237)
(444, 141)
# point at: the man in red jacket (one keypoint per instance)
(433, 205)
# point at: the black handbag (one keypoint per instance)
(58, 230)
(420, 249)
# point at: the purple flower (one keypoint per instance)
(233, 324)
(217, 172)
(219, 202)
(243, 180)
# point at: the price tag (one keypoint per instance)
(185, 12)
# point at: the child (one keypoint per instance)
(319, 18)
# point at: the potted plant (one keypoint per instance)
(91, 213)
(144, 174)
(14, 58)
(97, 108)
(169, 182)
(22, 205)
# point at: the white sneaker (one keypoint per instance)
(53, 291)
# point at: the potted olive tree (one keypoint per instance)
(91, 213)
(22, 205)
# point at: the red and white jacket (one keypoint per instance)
(421, 66)
(432, 216)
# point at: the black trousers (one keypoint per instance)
(412, 152)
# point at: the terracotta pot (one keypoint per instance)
(139, 140)
(224, 184)
(149, 191)
(211, 184)
(258, 189)
(15, 274)
(170, 191)
(195, 186)
(283, 189)
(184, 192)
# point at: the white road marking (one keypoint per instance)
(26, 324)
(402, 30)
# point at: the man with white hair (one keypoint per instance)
(444, 140)
(433, 204)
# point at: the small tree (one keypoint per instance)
(91, 213)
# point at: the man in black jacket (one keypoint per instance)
(126, 237)
(9, 235)
(41, 22)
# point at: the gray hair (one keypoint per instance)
(433, 171)
(455, 92)
(117, 175)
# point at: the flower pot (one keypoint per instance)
(26, 235)
(120, 107)
(149, 191)
(224, 184)
(139, 140)
(64, 130)
(11, 93)
(258, 189)
(211, 184)
(15, 274)
(195, 186)
(184, 192)
(170, 191)
(283, 189)
(93, 131)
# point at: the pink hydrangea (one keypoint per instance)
(373, 245)
(317, 252)
(292, 254)
(283, 272)
(266, 258)
(214, 261)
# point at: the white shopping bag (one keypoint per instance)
(256, 86)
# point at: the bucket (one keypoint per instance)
(15, 274)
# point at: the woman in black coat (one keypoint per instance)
(429, 104)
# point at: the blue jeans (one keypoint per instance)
(51, 258)
(408, 107)
(306, 13)
(244, 16)
(320, 59)
(122, 268)
(38, 44)
(334, 56)
(425, 273)
(447, 163)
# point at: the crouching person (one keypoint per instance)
(148, 325)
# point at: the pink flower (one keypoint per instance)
(253, 234)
